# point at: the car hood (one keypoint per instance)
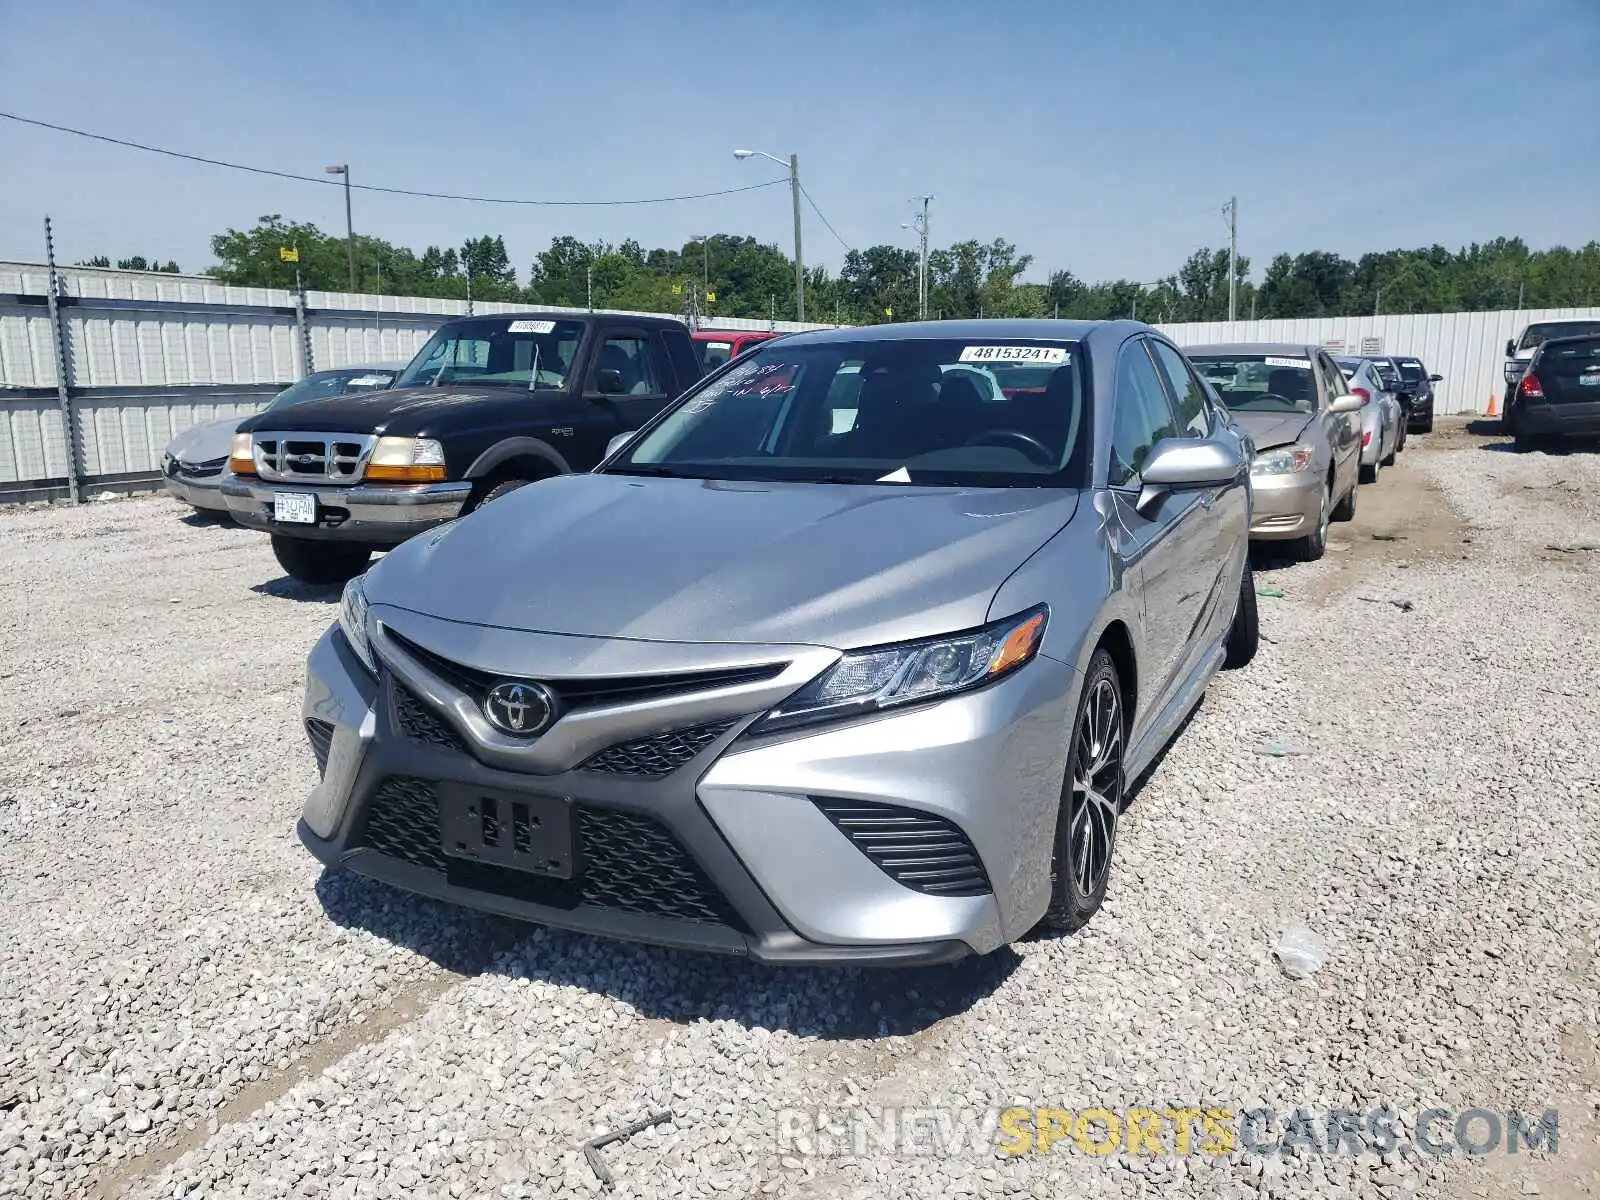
(374, 410)
(1268, 429)
(838, 565)
(204, 443)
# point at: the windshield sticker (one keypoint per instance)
(1049, 355)
(531, 327)
(1303, 363)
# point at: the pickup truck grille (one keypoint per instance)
(312, 457)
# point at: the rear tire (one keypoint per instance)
(1244, 635)
(1093, 792)
(320, 562)
(1368, 474)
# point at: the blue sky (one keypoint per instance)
(1099, 137)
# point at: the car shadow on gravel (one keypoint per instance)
(202, 519)
(286, 588)
(670, 985)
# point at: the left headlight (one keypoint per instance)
(1283, 460)
(407, 460)
(353, 622)
(869, 680)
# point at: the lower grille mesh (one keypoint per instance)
(320, 734)
(924, 852)
(653, 757)
(626, 861)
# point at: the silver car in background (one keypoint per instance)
(1383, 419)
(193, 463)
(1295, 404)
(842, 658)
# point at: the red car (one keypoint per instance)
(717, 346)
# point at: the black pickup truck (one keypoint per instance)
(489, 404)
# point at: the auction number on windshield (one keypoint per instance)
(1049, 355)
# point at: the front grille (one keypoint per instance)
(595, 691)
(418, 722)
(653, 757)
(627, 862)
(321, 735)
(312, 457)
(199, 470)
(924, 852)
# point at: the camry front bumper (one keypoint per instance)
(741, 848)
(1285, 506)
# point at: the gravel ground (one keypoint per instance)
(188, 1007)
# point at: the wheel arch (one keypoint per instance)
(531, 453)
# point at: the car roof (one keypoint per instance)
(972, 330)
(705, 335)
(1284, 348)
(652, 320)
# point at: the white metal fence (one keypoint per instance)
(1468, 349)
(146, 355)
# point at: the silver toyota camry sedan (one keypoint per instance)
(841, 658)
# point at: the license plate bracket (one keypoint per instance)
(522, 832)
(294, 508)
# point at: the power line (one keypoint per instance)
(393, 191)
(824, 219)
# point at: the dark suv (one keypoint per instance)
(489, 404)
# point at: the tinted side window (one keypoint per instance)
(633, 358)
(1140, 417)
(1194, 418)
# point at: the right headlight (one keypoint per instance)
(1283, 460)
(353, 618)
(869, 680)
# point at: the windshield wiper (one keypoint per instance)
(655, 472)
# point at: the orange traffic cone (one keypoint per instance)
(1494, 406)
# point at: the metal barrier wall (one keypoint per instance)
(127, 359)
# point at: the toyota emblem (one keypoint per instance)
(521, 709)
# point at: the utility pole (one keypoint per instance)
(1377, 303)
(588, 282)
(799, 262)
(1233, 257)
(919, 224)
(58, 335)
(349, 225)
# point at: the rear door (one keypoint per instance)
(1569, 372)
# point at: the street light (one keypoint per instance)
(793, 163)
(349, 227)
(919, 226)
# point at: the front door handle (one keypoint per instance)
(1206, 499)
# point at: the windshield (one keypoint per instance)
(1535, 334)
(1386, 372)
(330, 383)
(938, 412)
(1410, 370)
(501, 351)
(1260, 382)
(1349, 366)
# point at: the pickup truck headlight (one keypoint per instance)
(406, 460)
(1283, 460)
(353, 622)
(870, 680)
(242, 455)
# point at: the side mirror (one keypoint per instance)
(1435, 378)
(618, 442)
(1511, 348)
(1181, 464)
(609, 382)
(1347, 404)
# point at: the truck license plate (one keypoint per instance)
(299, 508)
(524, 832)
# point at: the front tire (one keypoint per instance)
(494, 489)
(1092, 795)
(320, 562)
(1244, 635)
(1315, 544)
